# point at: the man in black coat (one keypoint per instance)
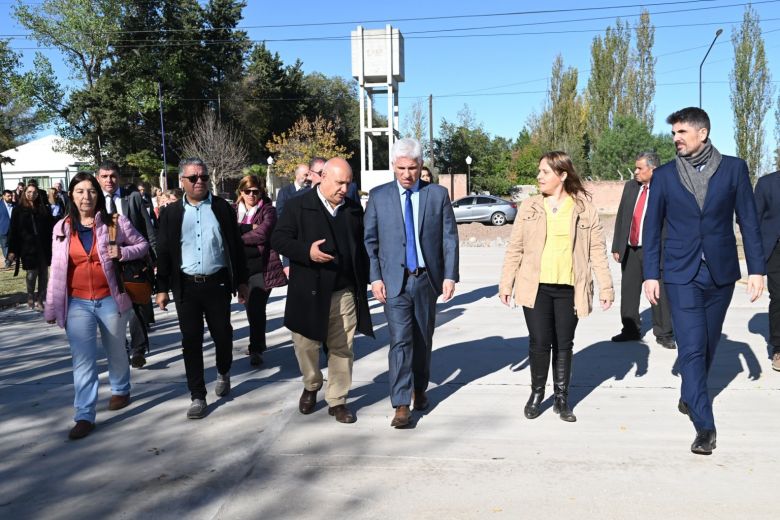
(768, 206)
(321, 232)
(200, 258)
(627, 249)
(130, 204)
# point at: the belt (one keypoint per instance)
(416, 272)
(203, 278)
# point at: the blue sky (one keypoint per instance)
(502, 73)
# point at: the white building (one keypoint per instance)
(40, 160)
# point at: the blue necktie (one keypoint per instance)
(411, 243)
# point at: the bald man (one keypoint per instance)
(298, 187)
(321, 233)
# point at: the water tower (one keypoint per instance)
(378, 66)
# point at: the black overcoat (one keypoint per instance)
(303, 222)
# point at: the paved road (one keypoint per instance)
(473, 455)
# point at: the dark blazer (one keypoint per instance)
(386, 238)
(624, 216)
(691, 232)
(29, 235)
(303, 222)
(133, 208)
(768, 207)
(5, 218)
(260, 258)
(169, 273)
(285, 194)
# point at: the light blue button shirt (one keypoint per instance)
(416, 210)
(202, 251)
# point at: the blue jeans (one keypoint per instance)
(85, 317)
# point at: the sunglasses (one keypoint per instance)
(254, 192)
(194, 178)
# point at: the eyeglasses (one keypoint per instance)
(316, 172)
(194, 178)
(254, 192)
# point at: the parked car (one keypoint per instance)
(484, 208)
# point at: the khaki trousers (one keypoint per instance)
(342, 323)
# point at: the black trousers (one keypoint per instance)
(209, 300)
(255, 312)
(553, 320)
(773, 285)
(631, 293)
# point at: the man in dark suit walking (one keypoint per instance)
(6, 208)
(768, 206)
(627, 249)
(412, 242)
(298, 187)
(321, 233)
(695, 198)
(131, 205)
(200, 258)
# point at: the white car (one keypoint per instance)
(484, 208)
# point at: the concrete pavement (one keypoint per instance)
(472, 455)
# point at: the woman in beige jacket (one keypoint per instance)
(557, 241)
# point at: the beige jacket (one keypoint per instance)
(522, 263)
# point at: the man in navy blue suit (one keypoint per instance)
(413, 254)
(696, 197)
(6, 207)
(768, 207)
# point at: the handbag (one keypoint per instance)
(134, 276)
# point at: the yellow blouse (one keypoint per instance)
(557, 260)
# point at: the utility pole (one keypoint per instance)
(430, 130)
(162, 131)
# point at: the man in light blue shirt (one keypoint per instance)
(202, 252)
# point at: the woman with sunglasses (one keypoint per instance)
(257, 219)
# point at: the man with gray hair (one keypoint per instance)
(627, 249)
(413, 254)
(200, 258)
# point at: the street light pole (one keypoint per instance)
(468, 174)
(269, 187)
(717, 33)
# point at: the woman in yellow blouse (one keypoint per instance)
(557, 240)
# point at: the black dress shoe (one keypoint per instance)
(666, 343)
(341, 413)
(704, 442)
(420, 400)
(307, 401)
(683, 408)
(626, 336)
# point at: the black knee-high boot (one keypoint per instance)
(561, 378)
(540, 365)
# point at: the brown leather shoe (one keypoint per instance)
(307, 401)
(81, 430)
(117, 402)
(402, 417)
(420, 400)
(341, 413)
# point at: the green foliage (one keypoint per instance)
(606, 90)
(616, 149)
(305, 140)
(148, 165)
(17, 118)
(751, 90)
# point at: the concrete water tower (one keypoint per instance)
(378, 65)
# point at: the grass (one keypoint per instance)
(13, 290)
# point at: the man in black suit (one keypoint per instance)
(627, 249)
(767, 196)
(200, 258)
(130, 204)
(291, 190)
(321, 233)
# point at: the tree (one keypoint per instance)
(219, 145)
(562, 124)
(147, 164)
(777, 134)
(416, 123)
(641, 76)
(606, 91)
(306, 139)
(617, 147)
(17, 118)
(751, 90)
(81, 30)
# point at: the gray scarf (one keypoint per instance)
(694, 179)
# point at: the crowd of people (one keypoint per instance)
(674, 239)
